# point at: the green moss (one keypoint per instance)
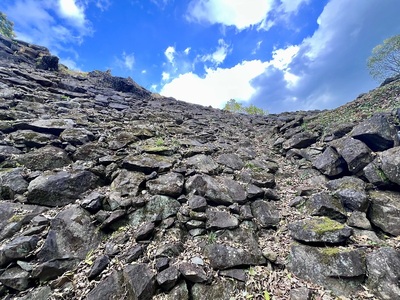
(323, 225)
(330, 251)
(15, 218)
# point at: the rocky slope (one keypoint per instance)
(108, 191)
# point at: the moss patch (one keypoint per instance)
(323, 225)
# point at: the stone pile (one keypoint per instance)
(108, 190)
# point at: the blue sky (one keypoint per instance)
(280, 55)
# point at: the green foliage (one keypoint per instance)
(384, 61)
(6, 26)
(236, 107)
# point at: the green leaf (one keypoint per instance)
(267, 296)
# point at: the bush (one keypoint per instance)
(236, 107)
(6, 26)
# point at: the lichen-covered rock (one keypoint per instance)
(265, 213)
(323, 204)
(385, 211)
(391, 164)
(170, 184)
(46, 158)
(220, 219)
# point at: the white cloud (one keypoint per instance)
(70, 10)
(219, 55)
(165, 76)
(169, 53)
(292, 6)
(144, 71)
(217, 86)
(103, 4)
(328, 68)
(129, 60)
(238, 13)
(187, 50)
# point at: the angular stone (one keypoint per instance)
(53, 268)
(144, 232)
(376, 132)
(60, 188)
(220, 219)
(323, 204)
(203, 163)
(237, 274)
(148, 163)
(168, 278)
(192, 272)
(46, 158)
(140, 281)
(225, 257)
(98, 266)
(170, 184)
(15, 278)
(77, 136)
(230, 160)
(51, 126)
(384, 211)
(17, 248)
(108, 288)
(330, 163)
(383, 267)
(128, 183)
(391, 164)
(319, 230)
(265, 213)
(359, 220)
(197, 203)
(219, 289)
(340, 270)
(12, 183)
(180, 292)
(300, 140)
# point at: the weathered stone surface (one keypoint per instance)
(323, 204)
(77, 136)
(145, 231)
(15, 278)
(11, 183)
(98, 266)
(265, 213)
(108, 288)
(180, 291)
(300, 140)
(71, 235)
(359, 220)
(218, 191)
(170, 184)
(220, 219)
(17, 248)
(356, 154)
(197, 203)
(140, 281)
(391, 164)
(351, 193)
(340, 270)
(203, 164)
(192, 272)
(128, 183)
(51, 126)
(46, 158)
(384, 211)
(376, 132)
(221, 289)
(168, 278)
(230, 160)
(330, 163)
(320, 230)
(60, 188)
(53, 268)
(383, 266)
(148, 163)
(224, 257)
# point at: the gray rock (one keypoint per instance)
(98, 266)
(108, 288)
(31, 139)
(17, 248)
(7, 151)
(220, 289)
(391, 164)
(170, 184)
(376, 132)
(330, 163)
(140, 281)
(320, 230)
(351, 193)
(128, 183)
(225, 257)
(383, 267)
(15, 278)
(197, 203)
(46, 158)
(384, 211)
(145, 231)
(359, 220)
(168, 278)
(220, 219)
(300, 140)
(77, 136)
(302, 293)
(237, 274)
(53, 268)
(337, 269)
(323, 204)
(192, 272)
(375, 175)
(180, 292)
(356, 154)
(60, 188)
(12, 183)
(148, 163)
(93, 202)
(71, 235)
(230, 160)
(203, 163)
(265, 213)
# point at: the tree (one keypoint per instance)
(6, 26)
(236, 107)
(384, 61)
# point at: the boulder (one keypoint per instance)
(320, 230)
(60, 188)
(340, 270)
(300, 140)
(192, 272)
(391, 164)
(230, 160)
(170, 184)
(17, 248)
(16, 279)
(203, 164)
(376, 132)
(148, 163)
(323, 204)
(384, 211)
(46, 158)
(168, 278)
(77, 136)
(12, 182)
(219, 219)
(140, 281)
(383, 267)
(330, 163)
(265, 213)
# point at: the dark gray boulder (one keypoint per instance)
(320, 230)
(60, 188)
(265, 213)
(128, 183)
(108, 288)
(46, 158)
(170, 184)
(323, 204)
(168, 278)
(340, 270)
(391, 164)
(12, 182)
(383, 267)
(230, 160)
(148, 163)
(140, 281)
(98, 266)
(384, 211)
(203, 164)
(192, 272)
(376, 132)
(220, 219)
(300, 140)
(330, 163)
(77, 136)
(17, 248)
(15, 278)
